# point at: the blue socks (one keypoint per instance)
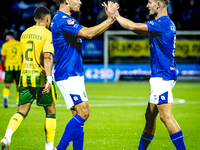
(78, 140)
(145, 140)
(71, 132)
(177, 139)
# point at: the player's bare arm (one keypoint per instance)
(92, 32)
(3, 62)
(22, 58)
(138, 28)
(48, 64)
(130, 25)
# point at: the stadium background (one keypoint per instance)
(17, 15)
(117, 108)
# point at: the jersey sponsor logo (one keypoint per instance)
(32, 36)
(70, 21)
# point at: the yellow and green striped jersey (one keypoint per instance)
(35, 41)
(12, 50)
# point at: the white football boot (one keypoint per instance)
(5, 143)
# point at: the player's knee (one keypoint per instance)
(86, 114)
(23, 112)
(83, 110)
(51, 111)
(165, 118)
(7, 85)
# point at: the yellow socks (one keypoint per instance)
(6, 92)
(17, 96)
(15, 121)
(50, 127)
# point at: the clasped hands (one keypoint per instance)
(111, 10)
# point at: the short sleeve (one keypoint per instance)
(71, 26)
(21, 52)
(3, 50)
(48, 45)
(22, 45)
(153, 25)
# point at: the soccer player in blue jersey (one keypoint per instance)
(162, 33)
(67, 34)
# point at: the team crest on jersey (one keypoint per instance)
(51, 43)
(70, 21)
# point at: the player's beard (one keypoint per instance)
(154, 15)
(76, 11)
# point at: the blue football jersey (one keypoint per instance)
(67, 46)
(162, 48)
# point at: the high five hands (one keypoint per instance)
(111, 10)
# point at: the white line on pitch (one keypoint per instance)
(121, 103)
(116, 97)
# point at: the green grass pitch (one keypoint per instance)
(116, 120)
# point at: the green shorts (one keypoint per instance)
(29, 94)
(11, 75)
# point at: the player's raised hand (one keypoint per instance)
(47, 88)
(111, 9)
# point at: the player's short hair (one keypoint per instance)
(9, 33)
(165, 2)
(41, 12)
(60, 1)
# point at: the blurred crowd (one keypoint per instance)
(17, 15)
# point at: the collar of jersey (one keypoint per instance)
(163, 17)
(58, 11)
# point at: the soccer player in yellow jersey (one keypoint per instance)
(11, 59)
(36, 77)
